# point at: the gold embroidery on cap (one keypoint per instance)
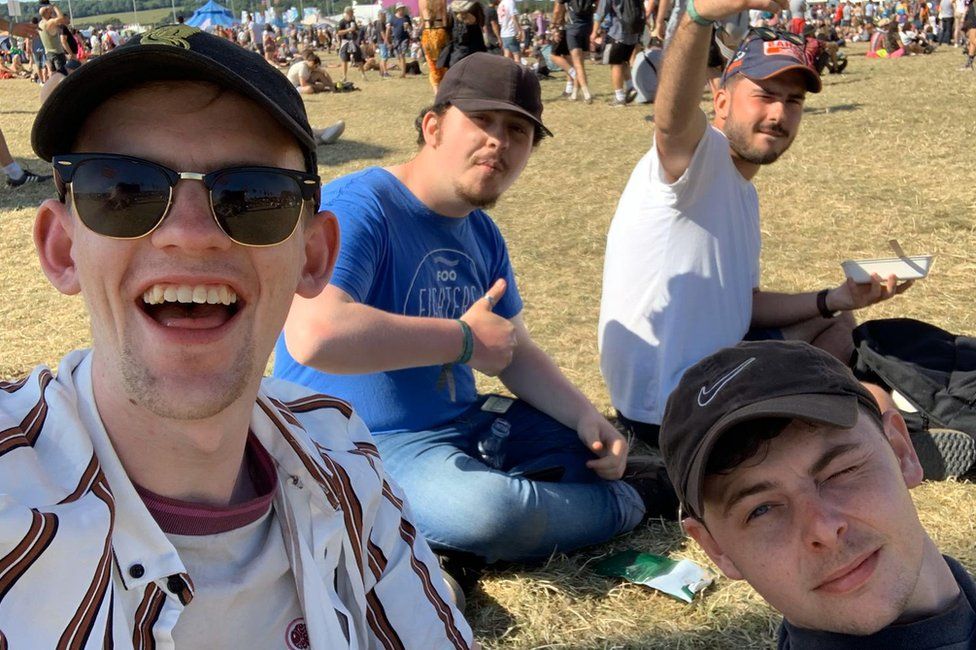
(174, 35)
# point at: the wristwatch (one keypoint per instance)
(822, 305)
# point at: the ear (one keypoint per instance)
(896, 431)
(721, 102)
(430, 126)
(698, 532)
(321, 250)
(53, 239)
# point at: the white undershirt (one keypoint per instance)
(226, 614)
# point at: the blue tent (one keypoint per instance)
(209, 15)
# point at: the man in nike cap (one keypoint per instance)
(793, 479)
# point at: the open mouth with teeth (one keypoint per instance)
(191, 306)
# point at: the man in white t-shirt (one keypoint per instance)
(681, 272)
(110, 39)
(308, 76)
(158, 492)
(509, 29)
(798, 16)
(254, 34)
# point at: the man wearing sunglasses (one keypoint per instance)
(423, 295)
(159, 492)
(681, 271)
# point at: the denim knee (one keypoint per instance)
(496, 519)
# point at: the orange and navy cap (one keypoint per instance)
(759, 58)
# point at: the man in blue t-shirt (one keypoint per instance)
(423, 294)
(399, 36)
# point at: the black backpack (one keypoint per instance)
(632, 16)
(933, 369)
(935, 372)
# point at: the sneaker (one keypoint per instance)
(566, 94)
(647, 475)
(457, 594)
(28, 177)
(573, 96)
(944, 452)
(332, 133)
(631, 95)
(616, 103)
(588, 99)
(461, 572)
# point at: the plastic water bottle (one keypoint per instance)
(491, 447)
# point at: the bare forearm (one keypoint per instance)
(358, 339)
(770, 309)
(661, 17)
(534, 377)
(559, 15)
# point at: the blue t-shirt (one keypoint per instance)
(400, 26)
(399, 256)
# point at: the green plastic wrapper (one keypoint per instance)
(681, 579)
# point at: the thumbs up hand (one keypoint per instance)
(494, 336)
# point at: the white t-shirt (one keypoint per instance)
(507, 18)
(110, 39)
(221, 565)
(299, 72)
(681, 263)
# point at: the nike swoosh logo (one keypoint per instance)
(706, 395)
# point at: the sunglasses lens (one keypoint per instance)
(258, 208)
(119, 198)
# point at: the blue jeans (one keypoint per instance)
(461, 504)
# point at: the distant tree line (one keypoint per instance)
(82, 8)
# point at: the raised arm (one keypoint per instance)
(678, 120)
(60, 18)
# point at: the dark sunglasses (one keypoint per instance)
(770, 34)
(126, 198)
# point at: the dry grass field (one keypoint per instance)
(883, 152)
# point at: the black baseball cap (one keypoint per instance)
(170, 53)
(488, 82)
(752, 381)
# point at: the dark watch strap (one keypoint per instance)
(822, 304)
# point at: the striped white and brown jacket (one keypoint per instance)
(84, 565)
